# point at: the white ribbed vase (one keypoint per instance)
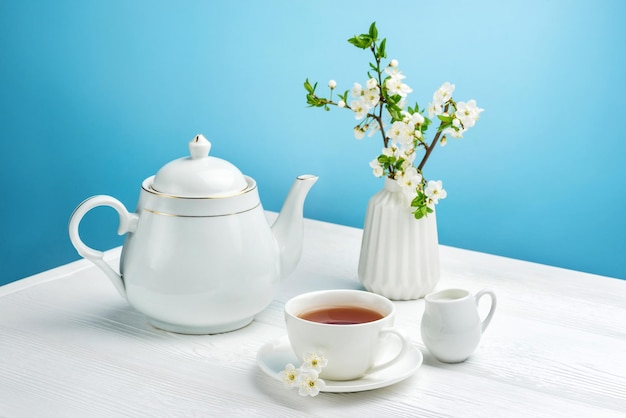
(399, 254)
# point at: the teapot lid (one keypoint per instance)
(199, 175)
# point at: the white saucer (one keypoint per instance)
(275, 355)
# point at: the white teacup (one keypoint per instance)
(352, 349)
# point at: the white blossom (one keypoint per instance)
(377, 169)
(401, 132)
(357, 90)
(434, 109)
(396, 86)
(413, 119)
(454, 133)
(468, 113)
(360, 108)
(310, 383)
(409, 157)
(306, 377)
(371, 83)
(394, 72)
(443, 93)
(409, 181)
(332, 84)
(341, 103)
(371, 96)
(435, 192)
(314, 361)
(290, 376)
(389, 151)
(393, 63)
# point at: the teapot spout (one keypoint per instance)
(288, 229)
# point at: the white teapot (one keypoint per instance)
(199, 255)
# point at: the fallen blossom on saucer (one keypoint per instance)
(310, 383)
(306, 377)
(313, 361)
(290, 376)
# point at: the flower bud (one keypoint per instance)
(341, 103)
(332, 84)
(358, 132)
(393, 63)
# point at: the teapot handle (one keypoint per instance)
(128, 223)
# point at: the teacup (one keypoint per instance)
(347, 327)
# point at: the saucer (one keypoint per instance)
(276, 354)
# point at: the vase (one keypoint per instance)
(399, 254)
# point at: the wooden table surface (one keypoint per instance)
(70, 346)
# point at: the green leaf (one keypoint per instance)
(381, 49)
(310, 98)
(444, 126)
(373, 32)
(396, 98)
(421, 208)
(362, 41)
(415, 109)
(308, 86)
(445, 119)
(395, 113)
(315, 101)
(355, 41)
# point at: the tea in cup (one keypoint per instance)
(451, 327)
(347, 327)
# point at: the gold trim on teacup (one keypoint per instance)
(154, 212)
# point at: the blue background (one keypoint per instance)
(97, 95)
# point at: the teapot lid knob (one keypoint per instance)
(199, 175)
(199, 147)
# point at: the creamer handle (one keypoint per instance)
(128, 223)
(492, 309)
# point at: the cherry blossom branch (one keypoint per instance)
(430, 148)
(407, 125)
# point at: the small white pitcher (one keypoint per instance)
(451, 327)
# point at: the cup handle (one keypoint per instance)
(405, 347)
(492, 296)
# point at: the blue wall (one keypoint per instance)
(97, 95)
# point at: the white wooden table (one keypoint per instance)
(70, 346)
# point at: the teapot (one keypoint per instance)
(199, 255)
